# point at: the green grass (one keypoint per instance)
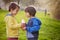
(50, 28)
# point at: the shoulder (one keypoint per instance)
(8, 15)
(36, 20)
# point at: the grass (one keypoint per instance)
(50, 28)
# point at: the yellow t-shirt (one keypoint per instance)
(12, 27)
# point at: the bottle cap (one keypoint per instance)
(23, 21)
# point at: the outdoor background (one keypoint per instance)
(48, 11)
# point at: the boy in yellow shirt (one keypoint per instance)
(12, 27)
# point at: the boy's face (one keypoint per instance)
(27, 14)
(15, 11)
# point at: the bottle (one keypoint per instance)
(23, 24)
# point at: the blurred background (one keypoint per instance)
(48, 11)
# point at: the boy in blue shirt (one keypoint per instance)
(33, 25)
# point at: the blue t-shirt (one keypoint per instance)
(33, 27)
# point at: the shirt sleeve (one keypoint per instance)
(11, 24)
(35, 27)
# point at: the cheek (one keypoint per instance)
(27, 15)
(14, 12)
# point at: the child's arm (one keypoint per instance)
(35, 27)
(10, 23)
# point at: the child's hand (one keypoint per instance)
(23, 26)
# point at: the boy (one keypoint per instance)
(33, 25)
(12, 27)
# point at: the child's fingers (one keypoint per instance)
(24, 28)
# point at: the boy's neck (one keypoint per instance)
(32, 17)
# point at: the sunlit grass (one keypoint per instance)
(50, 28)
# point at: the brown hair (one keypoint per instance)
(13, 6)
(31, 11)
